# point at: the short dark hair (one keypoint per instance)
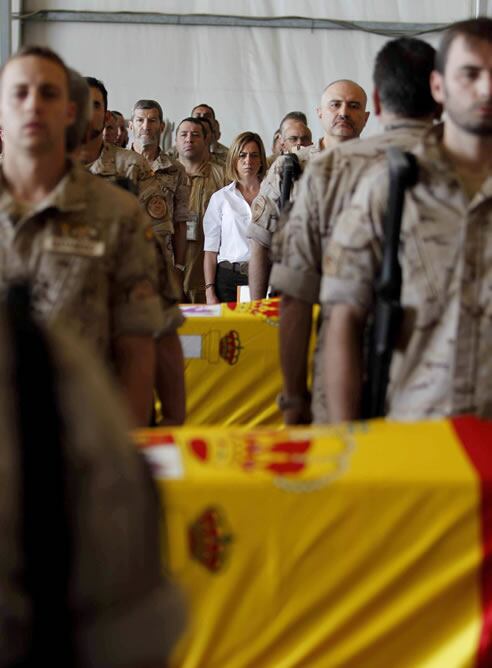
(96, 83)
(39, 52)
(207, 124)
(79, 94)
(401, 76)
(196, 121)
(148, 104)
(117, 113)
(207, 106)
(293, 116)
(471, 30)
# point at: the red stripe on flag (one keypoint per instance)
(476, 437)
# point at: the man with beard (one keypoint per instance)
(343, 116)
(443, 361)
(206, 178)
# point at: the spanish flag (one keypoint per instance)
(367, 545)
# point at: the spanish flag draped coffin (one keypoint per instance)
(365, 546)
(232, 370)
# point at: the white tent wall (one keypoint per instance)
(251, 76)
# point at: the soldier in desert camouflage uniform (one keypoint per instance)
(442, 362)
(82, 243)
(343, 116)
(168, 207)
(324, 191)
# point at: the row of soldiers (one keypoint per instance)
(173, 195)
(330, 249)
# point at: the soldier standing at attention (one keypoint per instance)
(170, 212)
(83, 244)
(442, 363)
(405, 112)
(343, 116)
(206, 178)
(118, 164)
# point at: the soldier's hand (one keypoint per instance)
(293, 416)
(210, 295)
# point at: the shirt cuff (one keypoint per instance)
(211, 245)
(340, 291)
(259, 234)
(299, 284)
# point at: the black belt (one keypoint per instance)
(238, 267)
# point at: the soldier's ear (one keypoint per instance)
(437, 86)
(318, 112)
(163, 127)
(376, 101)
(130, 126)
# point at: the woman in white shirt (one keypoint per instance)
(227, 218)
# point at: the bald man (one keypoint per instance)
(342, 112)
(343, 116)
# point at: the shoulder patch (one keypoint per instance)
(157, 207)
(259, 207)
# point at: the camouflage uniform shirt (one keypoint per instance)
(443, 361)
(325, 189)
(175, 186)
(116, 163)
(265, 210)
(88, 253)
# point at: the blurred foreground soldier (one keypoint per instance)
(343, 116)
(405, 108)
(218, 152)
(82, 243)
(206, 178)
(442, 362)
(122, 132)
(81, 577)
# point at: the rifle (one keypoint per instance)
(403, 172)
(292, 171)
